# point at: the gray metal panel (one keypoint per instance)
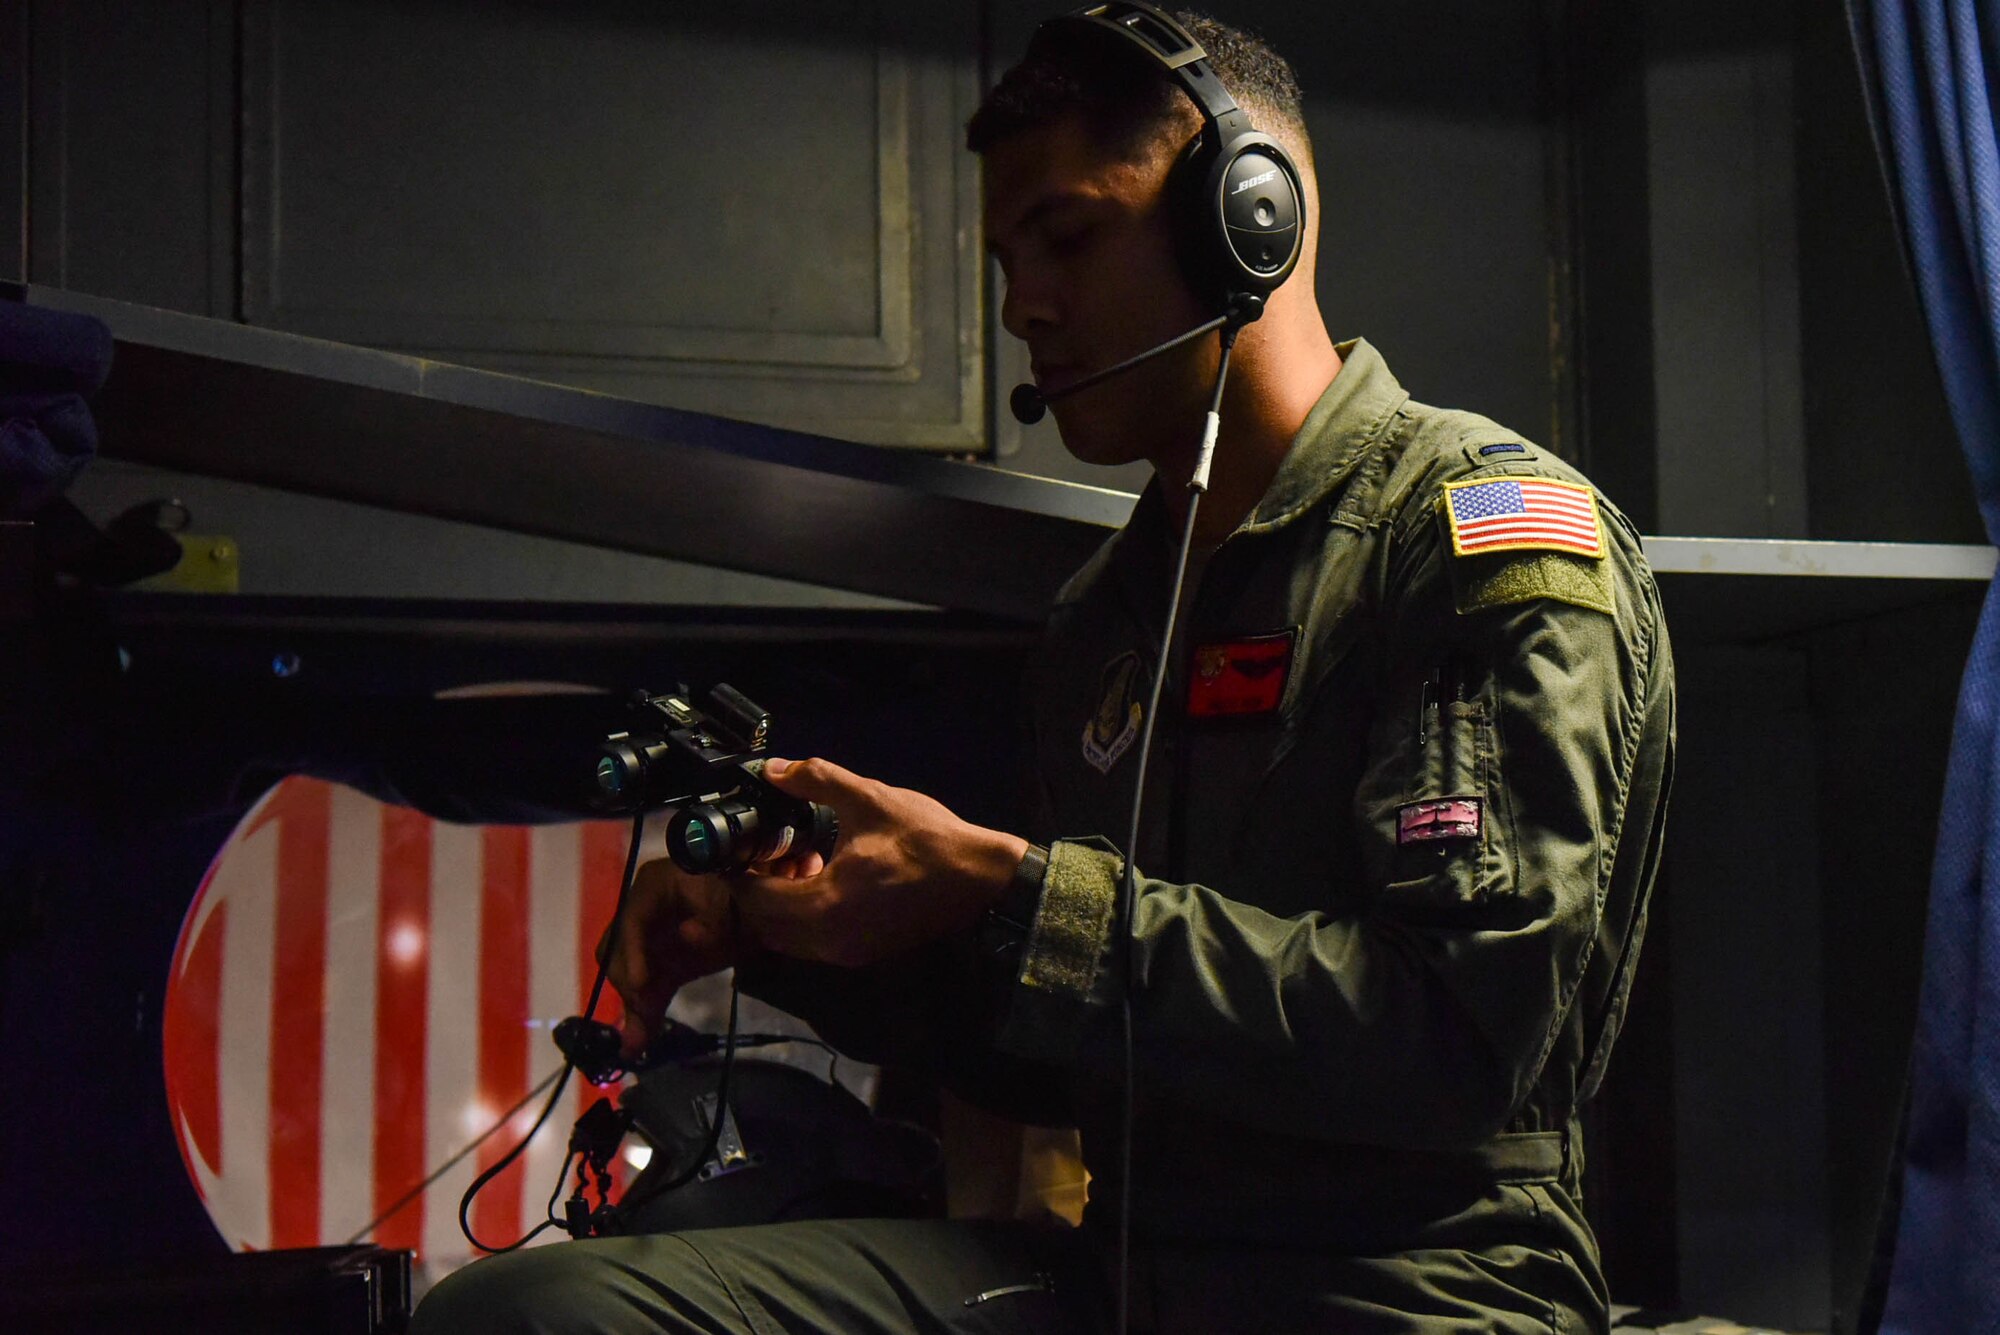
(225, 176)
(570, 192)
(14, 122)
(1604, 59)
(120, 154)
(1726, 367)
(382, 137)
(1741, 891)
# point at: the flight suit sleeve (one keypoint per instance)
(1515, 693)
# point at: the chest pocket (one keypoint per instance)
(1268, 800)
(1289, 838)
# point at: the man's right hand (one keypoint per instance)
(677, 927)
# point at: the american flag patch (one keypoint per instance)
(1512, 514)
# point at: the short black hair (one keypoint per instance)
(1124, 99)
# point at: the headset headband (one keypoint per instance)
(1169, 45)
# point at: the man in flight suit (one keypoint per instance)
(1403, 814)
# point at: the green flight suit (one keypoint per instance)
(1345, 1037)
(1388, 946)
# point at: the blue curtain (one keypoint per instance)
(1928, 64)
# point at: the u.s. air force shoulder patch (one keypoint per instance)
(1108, 733)
(1519, 538)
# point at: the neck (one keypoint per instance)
(1276, 374)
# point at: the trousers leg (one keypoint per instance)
(866, 1276)
(655, 1283)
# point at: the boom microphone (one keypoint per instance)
(1029, 402)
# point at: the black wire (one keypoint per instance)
(630, 1204)
(549, 1211)
(617, 914)
(450, 1163)
(1126, 889)
(465, 1201)
(555, 1096)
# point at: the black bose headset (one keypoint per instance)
(1239, 210)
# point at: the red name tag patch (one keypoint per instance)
(1447, 818)
(1239, 678)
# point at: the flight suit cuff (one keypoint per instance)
(1062, 973)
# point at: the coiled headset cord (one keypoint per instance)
(562, 1081)
(1197, 485)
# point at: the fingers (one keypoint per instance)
(629, 978)
(803, 867)
(643, 1009)
(675, 929)
(633, 1034)
(629, 966)
(818, 781)
(776, 876)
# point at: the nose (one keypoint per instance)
(1027, 305)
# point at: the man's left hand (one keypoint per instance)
(906, 871)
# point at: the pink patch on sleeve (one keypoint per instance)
(1445, 818)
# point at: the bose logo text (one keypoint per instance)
(1254, 181)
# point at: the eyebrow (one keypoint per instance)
(1039, 211)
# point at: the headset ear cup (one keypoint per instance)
(1209, 186)
(1198, 242)
(1256, 215)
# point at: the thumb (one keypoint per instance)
(815, 780)
(633, 1035)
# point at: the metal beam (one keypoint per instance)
(409, 434)
(1839, 560)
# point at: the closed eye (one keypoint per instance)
(1070, 238)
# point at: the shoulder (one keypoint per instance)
(1432, 448)
(1436, 451)
(1504, 520)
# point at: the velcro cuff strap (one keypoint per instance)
(1079, 894)
(1065, 953)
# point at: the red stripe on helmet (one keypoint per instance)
(298, 1004)
(191, 1037)
(503, 1020)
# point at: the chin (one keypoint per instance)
(1090, 443)
(1114, 424)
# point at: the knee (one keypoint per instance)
(546, 1291)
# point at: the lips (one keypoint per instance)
(1052, 376)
